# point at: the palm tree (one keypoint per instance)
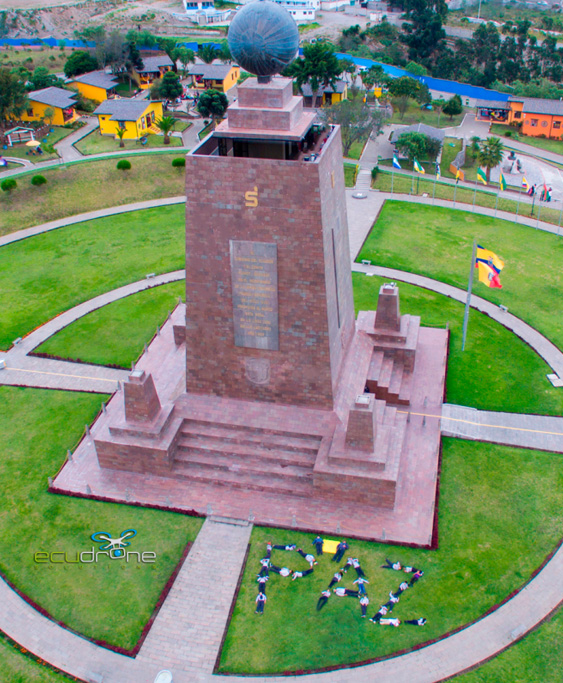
(165, 125)
(120, 132)
(208, 52)
(490, 154)
(319, 67)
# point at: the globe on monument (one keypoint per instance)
(263, 38)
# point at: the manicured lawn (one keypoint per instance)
(350, 171)
(514, 379)
(415, 114)
(116, 333)
(19, 668)
(463, 195)
(541, 143)
(499, 517)
(440, 243)
(36, 428)
(535, 659)
(123, 89)
(87, 186)
(181, 125)
(356, 149)
(450, 149)
(96, 143)
(11, 165)
(47, 274)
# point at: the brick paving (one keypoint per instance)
(433, 663)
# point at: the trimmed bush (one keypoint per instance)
(8, 184)
(374, 172)
(123, 165)
(38, 180)
(179, 163)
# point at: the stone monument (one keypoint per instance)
(262, 393)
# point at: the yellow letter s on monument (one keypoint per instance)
(251, 198)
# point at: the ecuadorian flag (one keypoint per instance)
(418, 168)
(489, 266)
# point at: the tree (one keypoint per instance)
(225, 53)
(185, 57)
(208, 52)
(453, 107)
(417, 146)
(424, 34)
(374, 76)
(475, 146)
(120, 132)
(357, 121)
(416, 69)
(115, 51)
(13, 96)
(212, 104)
(79, 62)
(48, 115)
(41, 78)
(170, 87)
(319, 67)
(347, 67)
(172, 49)
(165, 125)
(403, 89)
(133, 59)
(490, 154)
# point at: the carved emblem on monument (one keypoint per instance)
(257, 370)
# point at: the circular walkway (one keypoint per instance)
(432, 663)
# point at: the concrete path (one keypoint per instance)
(524, 431)
(66, 149)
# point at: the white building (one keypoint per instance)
(301, 10)
(203, 12)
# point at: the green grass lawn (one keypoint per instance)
(541, 143)
(440, 243)
(451, 147)
(87, 186)
(52, 58)
(17, 667)
(116, 333)
(463, 195)
(84, 596)
(123, 89)
(535, 659)
(47, 274)
(415, 114)
(181, 124)
(96, 143)
(356, 149)
(350, 172)
(499, 517)
(11, 165)
(480, 376)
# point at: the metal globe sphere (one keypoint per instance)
(263, 38)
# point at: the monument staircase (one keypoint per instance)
(246, 457)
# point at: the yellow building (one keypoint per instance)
(218, 76)
(60, 101)
(137, 117)
(96, 85)
(153, 68)
(327, 95)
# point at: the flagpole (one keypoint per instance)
(392, 176)
(434, 190)
(539, 214)
(412, 187)
(518, 204)
(560, 214)
(468, 302)
(474, 196)
(455, 190)
(496, 203)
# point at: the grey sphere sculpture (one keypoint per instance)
(263, 38)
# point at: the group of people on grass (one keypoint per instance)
(381, 617)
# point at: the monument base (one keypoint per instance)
(279, 465)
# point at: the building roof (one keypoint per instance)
(492, 104)
(99, 79)
(214, 72)
(123, 110)
(152, 64)
(340, 86)
(54, 97)
(536, 105)
(436, 133)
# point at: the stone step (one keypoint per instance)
(396, 380)
(406, 388)
(219, 448)
(385, 374)
(375, 366)
(363, 181)
(252, 436)
(251, 480)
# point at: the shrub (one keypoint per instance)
(8, 184)
(179, 163)
(123, 165)
(508, 134)
(38, 180)
(374, 172)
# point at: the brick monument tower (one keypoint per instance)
(262, 396)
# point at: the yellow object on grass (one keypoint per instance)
(330, 546)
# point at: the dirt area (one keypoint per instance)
(61, 18)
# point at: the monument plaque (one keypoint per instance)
(254, 276)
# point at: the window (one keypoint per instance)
(121, 124)
(534, 123)
(30, 112)
(557, 124)
(517, 114)
(544, 124)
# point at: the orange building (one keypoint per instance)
(539, 118)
